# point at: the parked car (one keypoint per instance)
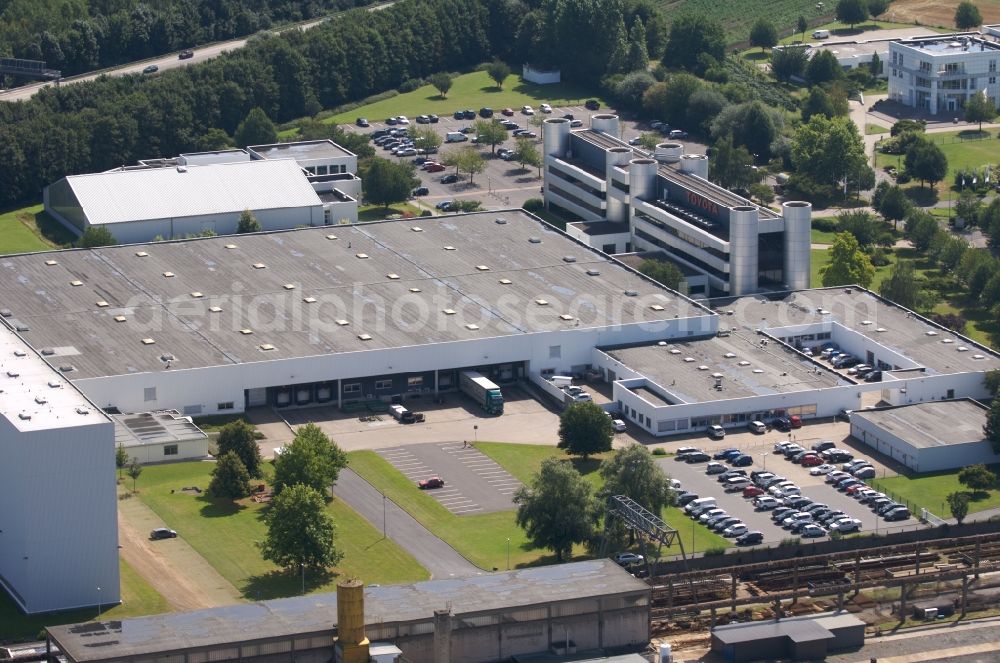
(430, 482)
(791, 449)
(568, 116)
(782, 424)
(900, 513)
(683, 451)
(527, 110)
(162, 533)
(449, 179)
(874, 376)
(752, 491)
(757, 427)
(781, 513)
(444, 205)
(797, 517)
(810, 461)
(151, 69)
(545, 108)
(836, 475)
(720, 524)
(742, 461)
(715, 468)
(710, 513)
(812, 531)
(434, 167)
(576, 123)
(716, 432)
(699, 457)
(592, 104)
(730, 473)
(421, 191)
(678, 133)
(867, 472)
(507, 111)
(683, 499)
(854, 464)
(822, 469)
(628, 558)
(468, 114)
(726, 454)
(434, 118)
(186, 54)
(485, 112)
(766, 503)
(618, 425)
(823, 445)
(845, 525)
(734, 530)
(750, 539)
(736, 484)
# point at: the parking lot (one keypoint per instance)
(760, 447)
(474, 483)
(502, 184)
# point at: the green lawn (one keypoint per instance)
(30, 229)
(875, 129)
(961, 154)
(138, 598)
(224, 534)
(379, 212)
(822, 236)
(483, 538)
(473, 91)
(931, 491)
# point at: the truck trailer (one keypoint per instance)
(482, 390)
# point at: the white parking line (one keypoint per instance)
(493, 473)
(469, 510)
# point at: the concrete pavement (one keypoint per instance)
(439, 558)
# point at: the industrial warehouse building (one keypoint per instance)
(585, 605)
(801, 638)
(928, 437)
(287, 185)
(159, 437)
(58, 502)
(631, 200)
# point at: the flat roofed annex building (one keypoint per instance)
(593, 604)
(928, 437)
(939, 74)
(331, 315)
(632, 200)
(58, 501)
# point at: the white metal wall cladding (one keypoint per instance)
(642, 179)
(57, 554)
(798, 243)
(743, 250)
(555, 136)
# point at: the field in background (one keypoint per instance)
(29, 229)
(138, 599)
(938, 12)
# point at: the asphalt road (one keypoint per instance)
(165, 62)
(440, 559)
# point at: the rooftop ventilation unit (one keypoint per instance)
(483, 268)
(947, 340)
(309, 300)
(881, 329)
(744, 363)
(148, 341)
(24, 416)
(593, 272)
(21, 327)
(167, 357)
(82, 410)
(703, 368)
(50, 263)
(417, 229)
(688, 359)
(656, 307)
(364, 337)
(76, 284)
(565, 316)
(631, 293)
(102, 304)
(569, 258)
(962, 348)
(215, 309)
(535, 240)
(500, 221)
(343, 323)
(67, 368)
(41, 400)
(20, 353)
(392, 277)
(448, 311)
(289, 286)
(449, 248)
(48, 352)
(505, 281)
(259, 265)
(661, 343)
(6, 312)
(331, 237)
(141, 254)
(168, 275)
(266, 347)
(246, 332)
(542, 302)
(229, 246)
(182, 169)
(361, 256)
(472, 326)
(674, 351)
(12, 374)
(414, 289)
(197, 295)
(758, 371)
(119, 318)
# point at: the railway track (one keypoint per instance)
(834, 574)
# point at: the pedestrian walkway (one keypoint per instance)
(435, 555)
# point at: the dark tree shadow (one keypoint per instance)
(282, 583)
(922, 196)
(218, 508)
(52, 230)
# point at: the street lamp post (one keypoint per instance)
(99, 605)
(475, 432)
(384, 533)
(763, 457)
(508, 553)
(302, 565)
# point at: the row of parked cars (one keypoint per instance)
(706, 511)
(838, 359)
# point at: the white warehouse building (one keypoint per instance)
(58, 501)
(630, 200)
(938, 74)
(286, 185)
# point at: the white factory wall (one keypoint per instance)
(904, 387)
(154, 453)
(57, 553)
(207, 387)
(145, 230)
(926, 459)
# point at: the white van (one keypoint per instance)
(821, 34)
(561, 380)
(700, 503)
(455, 137)
(733, 484)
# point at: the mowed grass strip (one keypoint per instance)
(469, 91)
(931, 491)
(138, 599)
(482, 539)
(225, 534)
(16, 234)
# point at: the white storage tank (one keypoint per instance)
(743, 250)
(696, 164)
(668, 152)
(555, 136)
(606, 123)
(798, 243)
(642, 179)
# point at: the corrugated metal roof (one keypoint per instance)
(163, 193)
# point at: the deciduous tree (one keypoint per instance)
(921, 228)
(498, 71)
(789, 62)
(823, 68)
(121, 459)
(240, 437)
(828, 150)
(852, 12)
(526, 153)
(894, 205)
(248, 223)
(967, 16)
(763, 34)
(980, 109)
(877, 7)
(386, 183)
(311, 459)
(926, 162)
(958, 504)
(442, 82)
(849, 265)
(300, 533)
(471, 161)
(801, 25)
(584, 429)
(95, 236)
(992, 428)
(134, 471)
(977, 478)
(230, 478)
(557, 510)
(903, 286)
(730, 166)
(693, 35)
(662, 271)
(489, 132)
(632, 471)
(256, 129)
(638, 55)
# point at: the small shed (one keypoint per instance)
(159, 437)
(804, 638)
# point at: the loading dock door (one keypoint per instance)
(255, 397)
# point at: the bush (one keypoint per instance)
(381, 96)
(411, 84)
(793, 541)
(713, 552)
(903, 178)
(427, 212)
(659, 451)
(827, 224)
(880, 257)
(533, 204)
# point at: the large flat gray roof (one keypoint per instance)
(801, 628)
(491, 275)
(134, 430)
(931, 424)
(933, 347)
(317, 613)
(688, 369)
(306, 149)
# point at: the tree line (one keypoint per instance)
(77, 36)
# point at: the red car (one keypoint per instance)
(855, 488)
(433, 482)
(433, 167)
(752, 491)
(811, 461)
(795, 421)
(508, 111)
